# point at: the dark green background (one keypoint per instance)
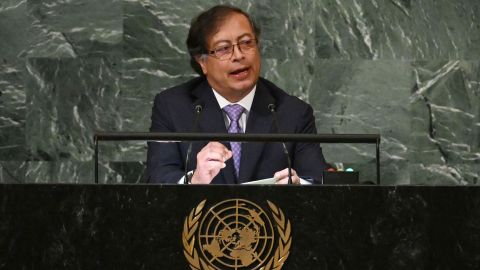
(409, 70)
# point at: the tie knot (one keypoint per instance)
(234, 111)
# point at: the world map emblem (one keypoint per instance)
(236, 234)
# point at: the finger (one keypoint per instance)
(214, 165)
(223, 150)
(220, 148)
(211, 147)
(295, 180)
(284, 173)
(215, 156)
(229, 154)
(216, 145)
(280, 174)
(282, 177)
(284, 181)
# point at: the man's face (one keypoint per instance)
(235, 76)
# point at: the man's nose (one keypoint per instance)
(237, 52)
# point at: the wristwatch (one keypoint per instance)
(189, 176)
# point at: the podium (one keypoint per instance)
(48, 226)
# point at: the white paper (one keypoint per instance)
(267, 181)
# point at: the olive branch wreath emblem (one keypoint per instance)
(276, 262)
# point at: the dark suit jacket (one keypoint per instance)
(173, 111)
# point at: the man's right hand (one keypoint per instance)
(210, 160)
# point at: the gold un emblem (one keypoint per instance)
(236, 234)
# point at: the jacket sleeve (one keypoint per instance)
(308, 158)
(164, 160)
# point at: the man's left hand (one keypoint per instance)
(281, 177)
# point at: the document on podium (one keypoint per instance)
(266, 181)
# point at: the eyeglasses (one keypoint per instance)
(226, 52)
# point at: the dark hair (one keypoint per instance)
(205, 25)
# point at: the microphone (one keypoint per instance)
(271, 107)
(198, 111)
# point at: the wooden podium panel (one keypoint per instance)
(45, 226)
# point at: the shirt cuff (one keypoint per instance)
(182, 180)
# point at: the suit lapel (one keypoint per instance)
(259, 121)
(212, 121)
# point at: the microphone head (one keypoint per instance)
(271, 107)
(198, 106)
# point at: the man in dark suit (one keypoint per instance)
(223, 45)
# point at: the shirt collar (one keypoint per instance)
(246, 102)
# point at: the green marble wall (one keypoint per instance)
(409, 70)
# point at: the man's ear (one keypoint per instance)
(201, 61)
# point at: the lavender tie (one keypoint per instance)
(234, 111)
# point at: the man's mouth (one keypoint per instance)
(240, 73)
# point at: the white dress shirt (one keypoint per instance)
(245, 102)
